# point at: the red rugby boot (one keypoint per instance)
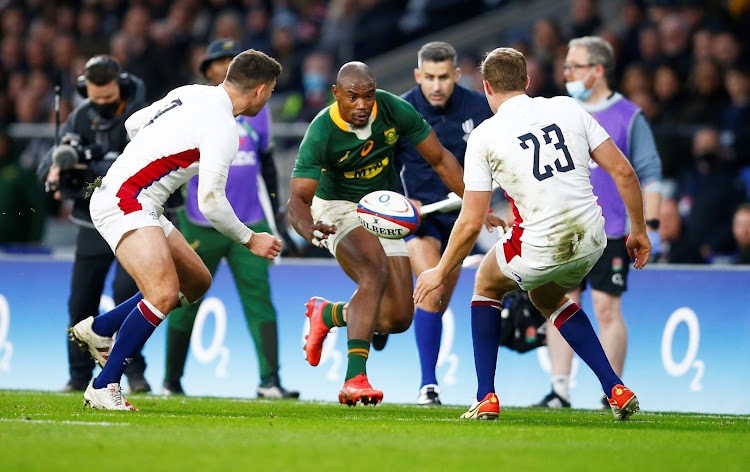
(318, 329)
(487, 409)
(623, 402)
(359, 389)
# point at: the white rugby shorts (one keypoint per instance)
(566, 275)
(112, 223)
(343, 214)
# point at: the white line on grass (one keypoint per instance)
(84, 423)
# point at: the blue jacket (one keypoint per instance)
(465, 110)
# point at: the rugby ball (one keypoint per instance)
(387, 214)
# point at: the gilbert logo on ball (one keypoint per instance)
(387, 214)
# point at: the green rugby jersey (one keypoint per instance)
(351, 162)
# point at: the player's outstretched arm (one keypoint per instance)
(213, 203)
(302, 191)
(463, 236)
(264, 245)
(443, 162)
(610, 158)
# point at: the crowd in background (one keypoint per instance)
(684, 62)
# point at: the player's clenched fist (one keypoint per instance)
(264, 245)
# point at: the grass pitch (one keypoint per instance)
(52, 431)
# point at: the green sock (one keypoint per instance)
(333, 314)
(358, 352)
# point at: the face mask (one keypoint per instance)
(577, 90)
(107, 110)
(314, 82)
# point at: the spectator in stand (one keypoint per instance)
(338, 26)
(646, 102)
(139, 58)
(227, 24)
(64, 54)
(735, 119)
(741, 231)
(702, 45)
(284, 50)
(649, 47)
(544, 41)
(585, 18)
(709, 193)
(635, 78)
(631, 15)
(12, 54)
(257, 33)
(673, 145)
(707, 98)
(674, 37)
(317, 78)
(540, 85)
(727, 49)
(670, 227)
(91, 39)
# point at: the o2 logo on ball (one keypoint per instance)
(387, 214)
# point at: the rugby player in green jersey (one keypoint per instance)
(347, 152)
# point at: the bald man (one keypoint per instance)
(347, 152)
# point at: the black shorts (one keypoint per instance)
(610, 273)
(439, 226)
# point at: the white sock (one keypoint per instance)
(560, 385)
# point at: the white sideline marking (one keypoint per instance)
(84, 423)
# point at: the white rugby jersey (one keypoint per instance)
(190, 124)
(537, 150)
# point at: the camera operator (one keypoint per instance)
(93, 137)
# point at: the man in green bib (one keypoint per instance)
(347, 152)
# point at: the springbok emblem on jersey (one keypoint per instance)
(468, 127)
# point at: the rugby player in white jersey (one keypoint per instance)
(190, 131)
(538, 151)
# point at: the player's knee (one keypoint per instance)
(165, 300)
(436, 301)
(606, 317)
(605, 313)
(197, 285)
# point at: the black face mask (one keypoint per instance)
(106, 110)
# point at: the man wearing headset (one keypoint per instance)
(93, 136)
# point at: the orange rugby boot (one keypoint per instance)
(359, 389)
(623, 402)
(487, 409)
(318, 330)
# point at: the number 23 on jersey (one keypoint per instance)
(566, 166)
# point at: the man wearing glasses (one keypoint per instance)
(588, 68)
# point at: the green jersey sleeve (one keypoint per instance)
(311, 157)
(407, 119)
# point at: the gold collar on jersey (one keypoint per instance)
(342, 124)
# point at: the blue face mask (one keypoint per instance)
(578, 90)
(314, 82)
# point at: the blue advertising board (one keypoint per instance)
(688, 344)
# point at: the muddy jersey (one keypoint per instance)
(350, 162)
(538, 151)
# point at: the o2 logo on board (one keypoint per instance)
(217, 349)
(6, 347)
(678, 369)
